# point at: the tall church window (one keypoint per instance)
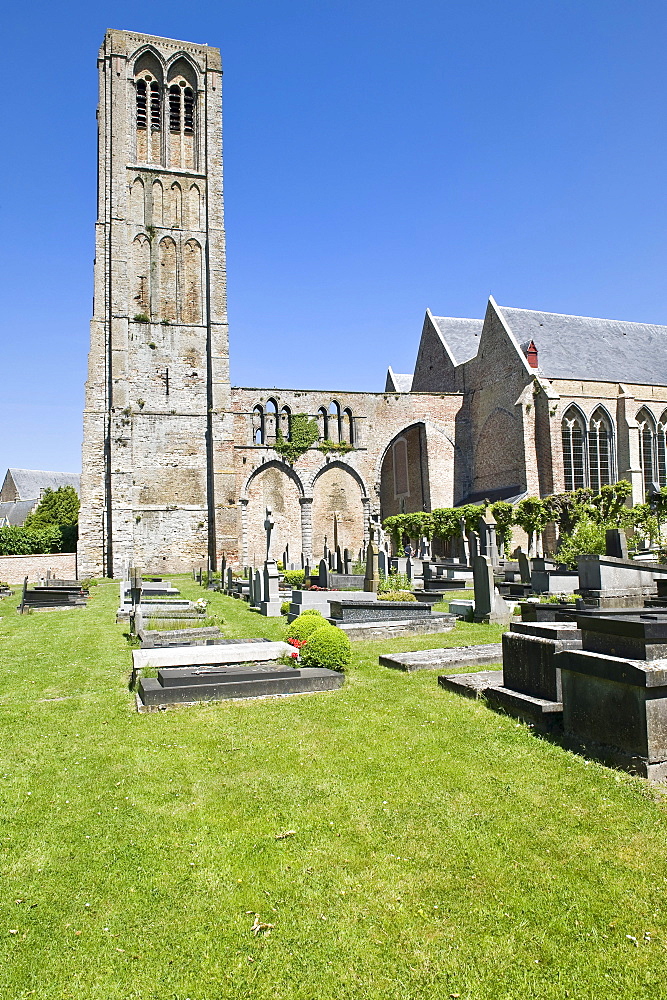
(167, 272)
(148, 80)
(156, 107)
(334, 422)
(258, 425)
(286, 423)
(573, 432)
(348, 426)
(270, 420)
(662, 450)
(142, 104)
(599, 450)
(323, 423)
(191, 292)
(175, 108)
(646, 448)
(188, 111)
(182, 96)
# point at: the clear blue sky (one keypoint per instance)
(380, 158)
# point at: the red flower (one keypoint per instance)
(297, 642)
(295, 654)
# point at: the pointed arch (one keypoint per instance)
(194, 207)
(600, 449)
(158, 204)
(148, 83)
(348, 426)
(661, 448)
(175, 206)
(258, 424)
(647, 447)
(573, 430)
(286, 423)
(323, 423)
(167, 272)
(137, 201)
(141, 269)
(191, 290)
(334, 421)
(270, 420)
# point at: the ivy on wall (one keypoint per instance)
(304, 432)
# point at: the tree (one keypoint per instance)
(503, 513)
(533, 515)
(57, 509)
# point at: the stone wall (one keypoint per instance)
(14, 569)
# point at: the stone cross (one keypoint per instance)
(268, 528)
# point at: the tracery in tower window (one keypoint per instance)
(182, 114)
(148, 86)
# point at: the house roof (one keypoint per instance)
(396, 382)
(30, 483)
(15, 512)
(582, 347)
(461, 336)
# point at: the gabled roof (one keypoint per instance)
(461, 336)
(396, 382)
(30, 483)
(15, 513)
(598, 350)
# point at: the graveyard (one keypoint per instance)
(385, 839)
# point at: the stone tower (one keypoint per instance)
(157, 447)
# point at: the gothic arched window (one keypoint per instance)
(175, 108)
(600, 454)
(270, 420)
(647, 448)
(286, 423)
(323, 423)
(573, 431)
(148, 82)
(142, 104)
(182, 93)
(661, 448)
(348, 426)
(334, 422)
(258, 425)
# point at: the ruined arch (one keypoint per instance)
(403, 472)
(275, 485)
(339, 493)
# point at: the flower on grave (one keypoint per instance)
(298, 643)
(295, 654)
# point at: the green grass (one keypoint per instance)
(438, 848)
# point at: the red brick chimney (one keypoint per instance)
(531, 355)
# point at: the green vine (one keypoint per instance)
(304, 432)
(341, 447)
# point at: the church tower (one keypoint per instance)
(157, 447)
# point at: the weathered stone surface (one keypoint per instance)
(260, 684)
(189, 656)
(444, 659)
(472, 685)
(375, 631)
(639, 636)
(374, 611)
(529, 665)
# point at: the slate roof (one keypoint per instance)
(30, 483)
(599, 350)
(460, 335)
(15, 512)
(396, 382)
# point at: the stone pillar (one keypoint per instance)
(366, 504)
(306, 527)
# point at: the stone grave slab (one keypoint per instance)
(444, 659)
(376, 631)
(190, 656)
(471, 685)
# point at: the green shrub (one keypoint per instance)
(327, 647)
(294, 578)
(586, 539)
(18, 541)
(284, 608)
(311, 611)
(393, 582)
(306, 623)
(397, 595)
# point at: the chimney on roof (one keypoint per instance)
(531, 355)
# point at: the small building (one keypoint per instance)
(22, 489)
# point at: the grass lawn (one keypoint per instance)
(438, 849)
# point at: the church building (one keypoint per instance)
(179, 466)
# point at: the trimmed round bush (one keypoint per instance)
(306, 623)
(397, 595)
(284, 608)
(311, 611)
(327, 647)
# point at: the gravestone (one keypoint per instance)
(251, 589)
(489, 605)
(230, 580)
(270, 606)
(524, 566)
(323, 575)
(372, 577)
(339, 560)
(347, 562)
(616, 543)
(259, 597)
(382, 562)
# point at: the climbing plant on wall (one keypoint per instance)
(304, 432)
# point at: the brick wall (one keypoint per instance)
(14, 569)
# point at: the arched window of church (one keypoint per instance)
(334, 422)
(141, 267)
(182, 114)
(270, 420)
(175, 205)
(574, 431)
(191, 286)
(148, 82)
(286, 423)
(323, 423)
(662, 450)
(401, 478)
(167, 278)
(348, 426)
(137, 201)
(258, 425)
(647, 449)
(158, 203)
(600, 453)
